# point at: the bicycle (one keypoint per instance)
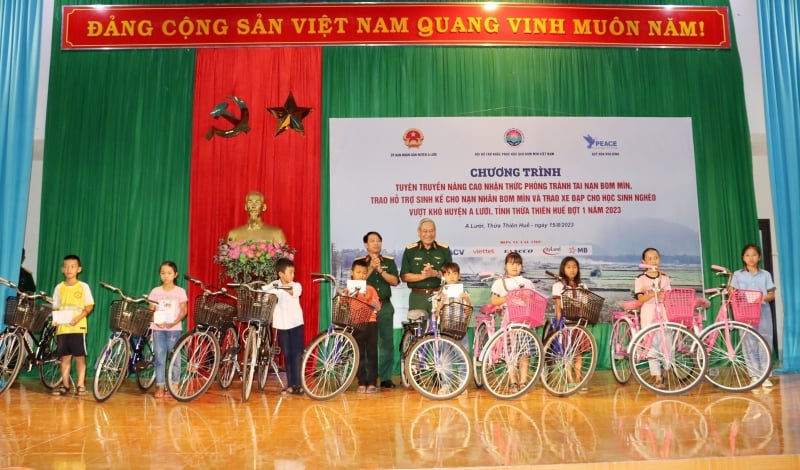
(254, 307)
(485, 326)
(511, 359)
(130, 345)
(666, 356)
(208, 351)
(731, 345)
(19, 349)
(330, 361)
(624, 327)
(570, 350)
(437, 365)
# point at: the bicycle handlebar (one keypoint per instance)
(41, 295)
(206, 290)
(125, 297)
(721, 269)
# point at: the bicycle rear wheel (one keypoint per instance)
(192, 365)
(621, 335)
(112, 367)
(144, 366)
(668, 359)
(438, 367)
(49, 362)
(570, 357)
(329, 364)
(481, 337)
(405, 345)
(736, 370)
(11, 354)
(511, 362)
(229, 357)
(252, 345)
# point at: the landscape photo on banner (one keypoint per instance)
(600, 189)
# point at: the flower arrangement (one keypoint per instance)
(251, 260)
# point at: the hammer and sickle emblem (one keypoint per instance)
(239, 124)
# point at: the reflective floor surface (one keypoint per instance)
(607, 426)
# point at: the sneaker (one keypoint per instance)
(297, 390)
(61, 391)
(80, 390)
(372, 389)
(362, 389)
(387, 384)
(767, 384)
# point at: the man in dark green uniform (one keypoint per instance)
(422, 264)
(382, 275)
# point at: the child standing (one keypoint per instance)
(288, 320)
(500, 288)
(74, 295)
(649, 288)
(570, 274)
(366, 334)
(171, 307)
(752, 277)
(451, 273)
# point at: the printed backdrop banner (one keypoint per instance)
(600, 189)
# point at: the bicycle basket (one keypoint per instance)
(453, 319)
(255, 306)
(581, 304)
(212, 311)
(129, 317)
(349, 311)
(26, 313)
(679, 304)
(747, 306)
(525, 306)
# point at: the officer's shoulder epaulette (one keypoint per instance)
(412, 245)
(388, 257)
(360, 257)
(443, 245)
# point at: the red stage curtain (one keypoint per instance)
(285, 168)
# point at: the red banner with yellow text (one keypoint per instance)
(495, 24)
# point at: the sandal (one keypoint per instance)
(513, 388)
(659, 383)
(372, 389)
(160, 393)
(362, 389)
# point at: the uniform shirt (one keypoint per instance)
(644, 284)
(73, 297)
(170, 301)
(376, 280)
(288, 313)
(760, 281)
(416, 256)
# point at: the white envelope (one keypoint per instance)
(163, 316)
(453, 290)
(63, 317)
(356, 287)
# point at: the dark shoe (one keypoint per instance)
(80, 391)
(388, 384)
(297, 391)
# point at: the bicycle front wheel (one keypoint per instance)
(252, 344)
(192, 365)
(405, 345)
(265, 360)
(621, 335)
(329, 364)
(734, 350)
(438, 367)
(49, 362)
(481, 337)
(144, 366)
(229, 356)
(668, 359)
(570, 357)
(112, 367)
(511, 362)
(11, 354)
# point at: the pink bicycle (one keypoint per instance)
(734, 345)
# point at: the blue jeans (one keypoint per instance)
(163, 342)
(291, 341)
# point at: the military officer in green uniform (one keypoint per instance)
(382, 275)
(421, 268)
